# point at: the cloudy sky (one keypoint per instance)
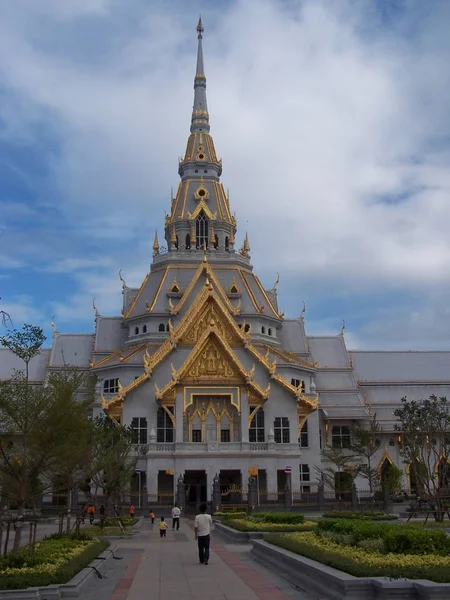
(333, 121)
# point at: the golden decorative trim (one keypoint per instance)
(150, 307)
(133, 353)
(263, 291)
(233, 288)
(383, 459)
(202, 206)
(138, 295)
(103, 361)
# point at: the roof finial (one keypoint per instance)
(245, 250)
(302, 314)
(200, 27)
(155, 245)
(342, 328)
(200, 117)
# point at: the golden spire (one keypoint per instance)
(155, 245)
(212, 236)
(231, 240)
(173, 237)
(245, 250)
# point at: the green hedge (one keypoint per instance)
(361, 563)
(290, 518)
(231, 515)
(18, 570)
(260, 526)
(399, 539)
(363, 515)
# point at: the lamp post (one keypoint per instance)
(138, 471)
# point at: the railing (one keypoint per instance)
(165, 447)
(259, 446)
(221, 447)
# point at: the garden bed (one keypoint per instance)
(250, 525)
(360, 515)
(56, 560)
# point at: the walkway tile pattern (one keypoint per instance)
(168, 569)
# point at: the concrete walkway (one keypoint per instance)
(168, 569)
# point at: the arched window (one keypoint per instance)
(176, 243)
(216, 241)
(188, 242)
(136, 331)
(167, 327)
(144, 329)
(227, 244)
(256, 429)
(247, 328)
(269, 331)
(263, 329)
(161, 327)
(201, 231)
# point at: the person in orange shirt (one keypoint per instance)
(132, 510)
(162, 528)
(91, 513)
(152, 516)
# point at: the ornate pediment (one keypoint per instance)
(212, 363)
(209, 315)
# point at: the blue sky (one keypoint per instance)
(333, 121)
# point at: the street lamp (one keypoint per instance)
(138, 471)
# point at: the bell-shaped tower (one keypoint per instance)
(200, 218)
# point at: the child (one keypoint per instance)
(162, 528)
(91, 513)
(152, 516)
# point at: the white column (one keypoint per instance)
(152, 483)
(179, 418)
(272, 482)
(244, 417)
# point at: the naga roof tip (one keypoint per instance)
(200, 27)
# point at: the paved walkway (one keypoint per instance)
(168, 569)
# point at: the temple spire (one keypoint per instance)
(200, 117)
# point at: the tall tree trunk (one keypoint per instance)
(18, 533)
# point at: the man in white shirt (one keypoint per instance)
(202, 525)
(176, 512)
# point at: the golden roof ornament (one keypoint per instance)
(52, 323)
(97, 314)
(173, 236)
(124, 285)
(245, 250)
(341, 333)
(155, 245)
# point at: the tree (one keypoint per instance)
(425, 428)
(363, 446)
(41, 425)
(113, 459)
(340, 474)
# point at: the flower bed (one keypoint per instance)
(363, 515)
(56, 559)
(250, 525)
(363, 562)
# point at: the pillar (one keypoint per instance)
(244, 418)
(152, 485)
(179, 418)
(181, 492)
(252, 496)
(216, 495)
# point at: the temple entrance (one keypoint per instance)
(230, 487)
(195, 482)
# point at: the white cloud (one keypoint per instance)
(321, 119)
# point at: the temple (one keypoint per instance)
(211, 376)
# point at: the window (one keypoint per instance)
(247, 328)
(281, 430)
(256, 431)
(225, 435)
(269, 331)
(201, 231)
(227, 244)
(263, 330)
(340, 436)
(216, 241)
(144, 329)
(298, 383)
(320, 438)
(139, 430)
(167, 327)
(303, 439)
(164, 426)
(111, 386)
(305, 477)
(391, 442)
(377, 443)
(136, 331)
(188, 242)
(161, 327)
(196, 435)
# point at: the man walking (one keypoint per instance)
(176, 512)
(202, 526)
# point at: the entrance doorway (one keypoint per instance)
(195, 482)
(230, 487)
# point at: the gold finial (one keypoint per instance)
(231, 240)
(173, 237)
(155, 244)
(245, 250)
(204, 253)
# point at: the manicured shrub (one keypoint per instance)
(361, 515)
(231, 515)
(248, 525)
(362, 563)
(278, 517)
